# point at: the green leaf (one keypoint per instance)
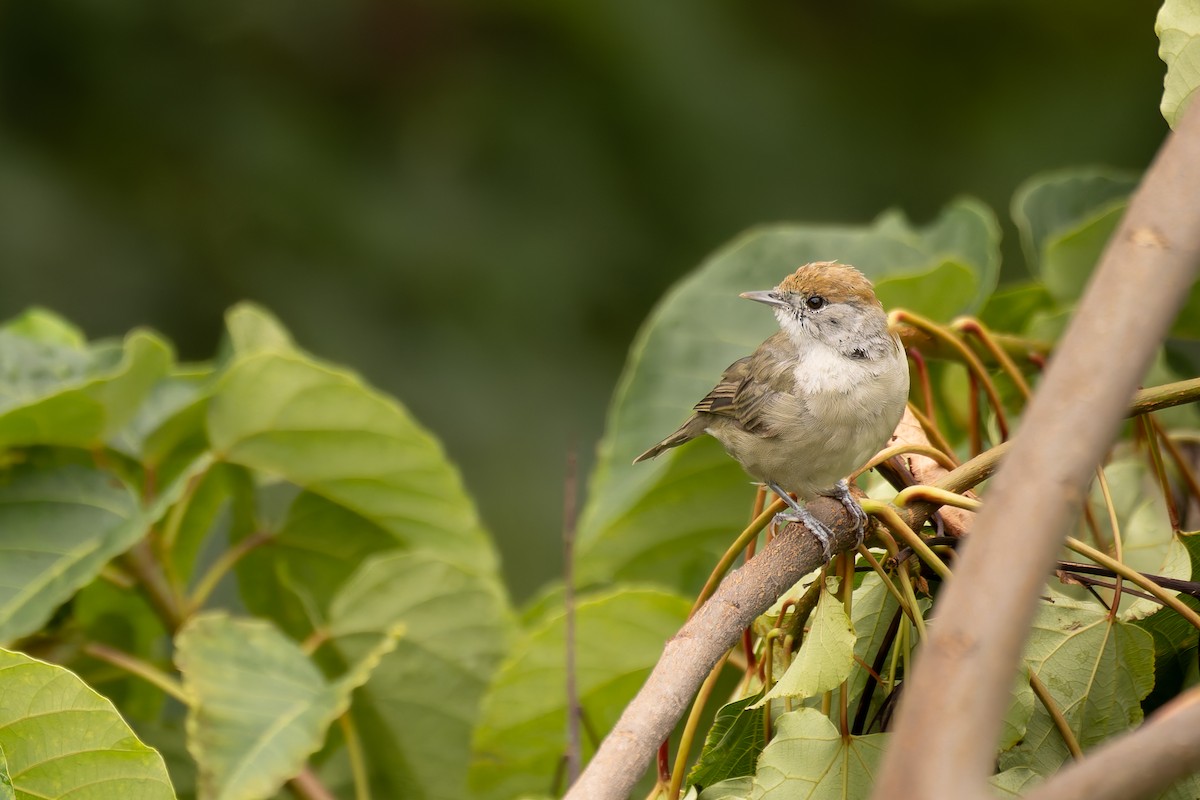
(1069, 259)
(1065, 219)
(43, 325)
(520, 738)
(318, 547)
(808, 759)
(946, 288)
(668, 520)
(1012, 307)
(61, 524)
(1148, 542)
(1178, 29)
(733, 744)
(826, 653)
(731, 789)
(62, 740)
(53, 391)
(170, 417)
(321, 428)
(1015, 782)
(259, 706)
(423, 699)
(1097, 670)
(6, 786)
(216, 504)
(253, 329)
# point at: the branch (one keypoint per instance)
(983, 615)
(690, 655)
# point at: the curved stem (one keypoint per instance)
(1137, 578)
(886, 514)
(932, 494)
(901, 600)
(731, 554)
(965, 353)
(1056, 715)
(138, 668)
(358, 762)
(1116, 537)
(917, 619)
(971, 325)
(931, 431)
(1160, 470)
(926, 450)
(227, 561)
(922, 370)
(1181, 463)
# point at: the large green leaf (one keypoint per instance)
(62, 740)
(1065, 219)
(423, 699)
(1178, 29)
(171, 418)
(285, 414)
(521, 737)
(667, 520)
(826, 653)
(809, 760)
(733, 743)
(259, 707)
(55, 389)
(59, 524)
(1098, 670)
(1053, 204)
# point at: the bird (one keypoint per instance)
(816, 400)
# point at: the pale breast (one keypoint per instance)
(840, 413)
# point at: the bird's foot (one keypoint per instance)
(842, 493)
(818, 528)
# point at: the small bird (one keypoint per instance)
(816, 400)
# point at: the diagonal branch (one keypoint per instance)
(690, 654)
(982, 617)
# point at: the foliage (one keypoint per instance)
(275, 576)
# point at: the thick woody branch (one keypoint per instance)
(691, 654)
(982, 617)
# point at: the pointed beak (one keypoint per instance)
(771, 298)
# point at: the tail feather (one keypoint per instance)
(687, 431)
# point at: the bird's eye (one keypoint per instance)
(815, 302)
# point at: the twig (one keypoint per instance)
(138, 668)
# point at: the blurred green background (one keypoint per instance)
(475, 203)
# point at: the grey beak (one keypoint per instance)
(771, 298)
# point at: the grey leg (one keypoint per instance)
(799, 513)
(843, 495)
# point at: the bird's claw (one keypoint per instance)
(853, 508)
(814, 525)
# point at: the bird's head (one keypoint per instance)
(827, 301)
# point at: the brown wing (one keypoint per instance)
(744, 389)
(748, 385)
